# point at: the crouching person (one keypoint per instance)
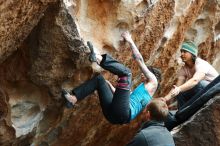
(153, 132)
(193, 77)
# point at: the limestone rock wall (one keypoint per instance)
(43, 50)
(17, 20)
(56, 49)
(190, 133)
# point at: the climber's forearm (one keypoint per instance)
(136, 54)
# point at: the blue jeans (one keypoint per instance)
(183, 97)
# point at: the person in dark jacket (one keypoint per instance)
(153, 132)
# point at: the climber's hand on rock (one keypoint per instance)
(127, 36)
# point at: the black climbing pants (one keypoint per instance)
(115, 106)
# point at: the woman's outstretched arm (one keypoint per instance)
(139, 59)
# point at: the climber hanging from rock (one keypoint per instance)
(118, 104)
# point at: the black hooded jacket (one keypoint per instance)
(152, 133)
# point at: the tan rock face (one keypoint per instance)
(18, 14)
(56, 49)
(43, 50)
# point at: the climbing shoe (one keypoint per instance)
(68, 104)
(92, 57)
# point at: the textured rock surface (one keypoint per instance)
(43, 50)
(17, 20)
(56, 49)
(202, 128)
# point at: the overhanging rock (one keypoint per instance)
(202, 129)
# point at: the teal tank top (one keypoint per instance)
(139, 98)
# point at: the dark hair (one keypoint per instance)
(156, 72)
(194, 58)
(158, 110)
